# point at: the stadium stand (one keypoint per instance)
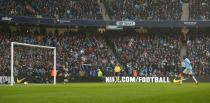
(73, 9)
(199, 52)
(150, 54)
(144, 9)
(75, 52)
(116, 9)
(199, 9)
(82, 54)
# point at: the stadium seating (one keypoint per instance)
(151, 54)
(75, 52)
(199, 9)
(116, 9)
(82, 54)
(73, 9)
(144, 9)
(199, 52)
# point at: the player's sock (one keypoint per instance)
(181, 79)
(195, 79)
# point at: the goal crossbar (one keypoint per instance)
(30, 45)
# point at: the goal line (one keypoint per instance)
(30, 45)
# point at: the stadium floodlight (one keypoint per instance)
(30, 45)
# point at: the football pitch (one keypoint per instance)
(106, 93)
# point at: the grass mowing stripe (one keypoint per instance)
(103, 93)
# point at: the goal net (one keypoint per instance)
(32, 63)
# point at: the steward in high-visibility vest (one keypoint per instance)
(100, 74)
(117, 70)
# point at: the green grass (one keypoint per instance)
(106, 93)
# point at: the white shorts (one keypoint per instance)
(187, 71)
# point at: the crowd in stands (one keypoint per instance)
(151, 55)
(116, 9)
(83, 55)
(199, 53)
(77, 55)
(199, 9)
(73, 9)
(144, 9)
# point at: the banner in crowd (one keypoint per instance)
(6, 18)
(137, 80)
(125, 23)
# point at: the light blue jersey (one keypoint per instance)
(187, 64)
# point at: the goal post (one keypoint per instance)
(30, 45)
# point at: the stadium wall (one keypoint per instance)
(102, 23)
(103, 79)
(200, 79)
(6, 80)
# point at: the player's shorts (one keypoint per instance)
(181, 69)
(66, 80)
(117, 73)
(188, 71)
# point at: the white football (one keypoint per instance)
(25, 83)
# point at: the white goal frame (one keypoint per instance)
(30, 45)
